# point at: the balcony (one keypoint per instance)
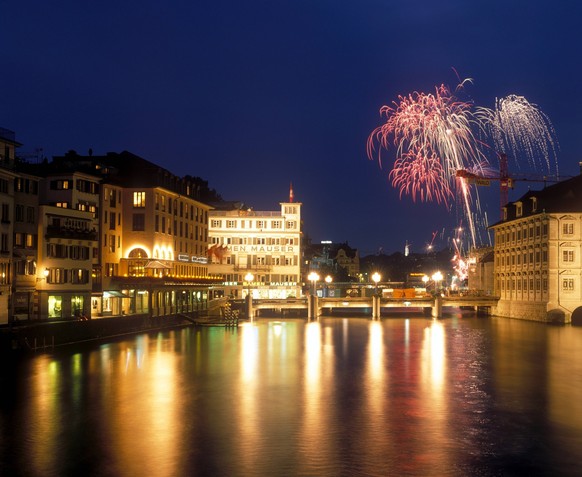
(252, 268)
(55, 231)
(24, 281)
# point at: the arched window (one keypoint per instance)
(138, 253)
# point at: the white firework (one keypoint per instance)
(519, 128)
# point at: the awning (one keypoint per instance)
(156, 264)
(115, 293)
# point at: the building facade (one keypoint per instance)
(538, 255)
(96, 236)
(257, 251)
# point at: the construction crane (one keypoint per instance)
(506, 181)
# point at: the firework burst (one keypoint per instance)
(433, 137)
(519, 127)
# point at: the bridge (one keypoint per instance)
(316, 306)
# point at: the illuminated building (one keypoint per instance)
(100, 236)
(7, 148)
(64, 262)
(538, 255)
(266, 244)
(153, 236)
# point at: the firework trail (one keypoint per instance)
(433, 137)
(519, 127)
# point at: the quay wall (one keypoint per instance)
(39, 336)
(525, 310)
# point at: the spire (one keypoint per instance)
(290, 192)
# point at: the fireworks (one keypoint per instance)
(427, 129)
(434, 137)
(519, 127)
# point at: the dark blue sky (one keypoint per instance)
(254, 95)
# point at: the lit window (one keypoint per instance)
(139, 199)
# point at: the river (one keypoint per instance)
(460, 396)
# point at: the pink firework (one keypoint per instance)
(433, 138)
(419, 175)
(437, 126)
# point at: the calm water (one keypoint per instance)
(341, 397)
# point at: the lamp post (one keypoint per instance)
(425, 280)
(249, 277)
(328, 281)
(313, 277)
(437, 278)
(376, 298)
(376, 278)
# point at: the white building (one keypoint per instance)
(266, 245)
(538, 255)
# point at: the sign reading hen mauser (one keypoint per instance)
(262, 248)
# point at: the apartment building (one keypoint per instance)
(538, 255)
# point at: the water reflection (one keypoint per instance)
(333, 397)
(248, 413)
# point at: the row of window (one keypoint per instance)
(530, 284)
(269, 260)
(22, 212)
(256, 224)
(25, 240)
(81, 185)
(519, 233)
(75, 252)
(174, 206)
(181, 229)
(527, 258)
(523, 284)
(524, 258)
(77, 276)
(255, 240)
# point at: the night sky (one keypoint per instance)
(254, 95)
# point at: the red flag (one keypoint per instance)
(290, 192)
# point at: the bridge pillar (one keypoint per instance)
(312, 307)
(437, 309)
(250, 312)
(375, 307)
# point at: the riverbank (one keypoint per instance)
(30, 336)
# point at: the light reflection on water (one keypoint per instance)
(336, 397)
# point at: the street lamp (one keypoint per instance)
(328, 281)
(313, 277)
(437, 277)
(376, 278)
(249, 277)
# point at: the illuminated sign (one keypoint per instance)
(196, 259)
(183, 258)
(262, 248)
